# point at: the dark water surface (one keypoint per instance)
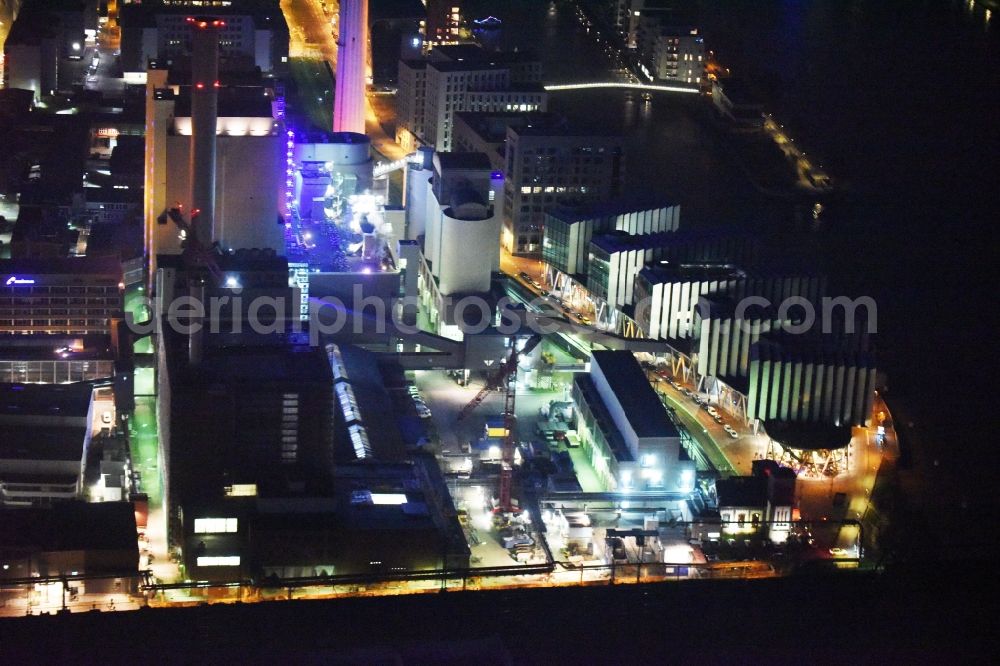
(900, 101)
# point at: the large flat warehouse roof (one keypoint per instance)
(627, 381)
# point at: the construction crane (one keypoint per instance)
(505, 376)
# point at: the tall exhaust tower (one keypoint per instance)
(204, 122)
(349, 100)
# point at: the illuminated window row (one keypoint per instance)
(214, 525)
(348, 403)
(219, 561)
(359, 440)
(336, 362)
(242, 490)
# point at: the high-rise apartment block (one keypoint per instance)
(671, 53)
(462, 78)
(666, 40)
(551, 164)
(444, 20)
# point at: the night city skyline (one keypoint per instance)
(464, 331)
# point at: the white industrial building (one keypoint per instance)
(569, 230)
(451, 208)
(625, 430)
(723, 336)
(249, 166)
(762, 503)
(666, 294)
(798, 380)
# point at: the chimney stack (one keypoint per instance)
(204, 120)
(196, 326)
(349, 97)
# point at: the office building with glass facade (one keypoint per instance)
(569, 230)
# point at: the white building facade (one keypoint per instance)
(568, 231)
(666, 294)
(625, 430)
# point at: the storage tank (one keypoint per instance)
(432, 230)
(349, 149)
(418, 175)
(464, 263)
(344, 153)
(462, 256)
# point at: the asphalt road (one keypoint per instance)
(309, 29)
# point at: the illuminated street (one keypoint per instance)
(311, 27)
(810, 176)
(6, 17)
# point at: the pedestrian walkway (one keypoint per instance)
(147, 460)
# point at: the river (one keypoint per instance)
(899, 101)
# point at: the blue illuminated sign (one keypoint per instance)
(13, 279)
